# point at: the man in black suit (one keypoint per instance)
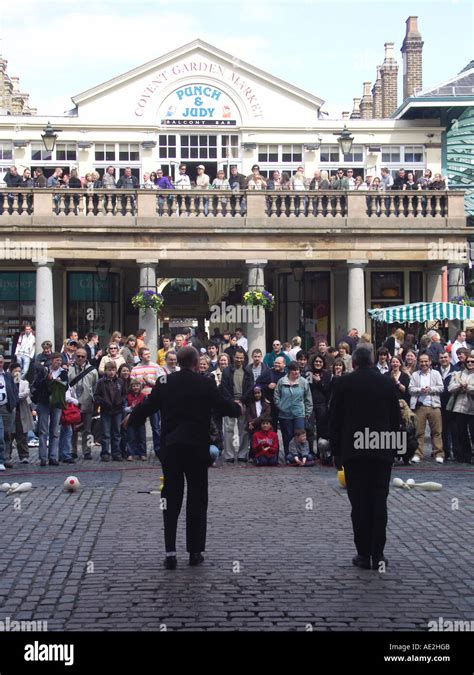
(365, 400)
(185, 400)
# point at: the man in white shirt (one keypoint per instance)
(202, 183)
(426, 387)
(241, 339)
(25, 349)
(351, 179)
(460, 341)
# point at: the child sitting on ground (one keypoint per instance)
(298, 450)
(265, 445)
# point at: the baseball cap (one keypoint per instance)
(200, 166)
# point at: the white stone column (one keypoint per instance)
(434, 291)
(149, 319)
(256, 334)
(356, 310)
(44, 302)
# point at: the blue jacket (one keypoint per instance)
(269, 359)
(293, 400)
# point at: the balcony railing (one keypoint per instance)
(161, 206)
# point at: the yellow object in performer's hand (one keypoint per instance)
(341, 477)
(162, 482)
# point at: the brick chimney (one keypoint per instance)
(377, 96)
(366, 103)
(355, 114)
(389, 72)
(412, 54)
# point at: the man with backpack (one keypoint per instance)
(49, 393)
(83, 377)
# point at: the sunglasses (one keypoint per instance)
(80, 356)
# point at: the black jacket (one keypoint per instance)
(248, 369)
(444, 397)
(227, 384)
(186, 401)
(266, 378)
(109, 394)
(405, 380)
(363, 399)
(12, 181)
(11, 391)
(321, 390)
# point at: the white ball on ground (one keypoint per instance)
(72, 484)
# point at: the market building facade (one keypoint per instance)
(73, 258)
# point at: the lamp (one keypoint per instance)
(49, 137)
(345, 141)
(103, 267)
(298, 272)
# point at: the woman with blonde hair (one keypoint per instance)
(408, 425)
(222, 362)
(394, 342)
(130, 351)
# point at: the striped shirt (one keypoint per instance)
(150, 371)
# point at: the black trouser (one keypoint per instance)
(181, 461)
(462, 441)
(447, 431)
(368, 483)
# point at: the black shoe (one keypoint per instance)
(361, 561)
(376, 560)
(105, 458)
(117, 458)
(244, 461)
(195, 559)
(8, 465)
(53, 462)
(170, 562)
(43, 462)
(69, 461)
(87, 456)
(74, 455)
(230, 461)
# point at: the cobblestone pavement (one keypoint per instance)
(278, 557)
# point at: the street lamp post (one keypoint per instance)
(345, 141)
(49, 137)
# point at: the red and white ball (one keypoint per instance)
(72, 484)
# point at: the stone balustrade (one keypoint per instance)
(46, 206)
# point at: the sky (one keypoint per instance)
(328, 48)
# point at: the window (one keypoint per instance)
(105, 152)
(167, 146)
(230, 146)
(387, 286)
(390, 153)
(85, 292)
(6, 150)
(39, 153)
(291, 153)
(416, 286)
(268, 153)
(356, 154)
(329, 153)
(18, 302)
(66, 151)
(304, 307)
(414, 153)
(198, 147)
(129, 152)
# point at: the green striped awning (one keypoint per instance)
(422, 311)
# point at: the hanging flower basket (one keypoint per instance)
(259, 299)
(144, 300)
(463, 300)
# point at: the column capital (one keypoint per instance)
(357, 263)
(49, 262)
(256, 263)
(146, 262)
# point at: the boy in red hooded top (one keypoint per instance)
(265, 445)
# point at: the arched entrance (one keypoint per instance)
(189, 302)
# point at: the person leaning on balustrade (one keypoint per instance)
(256, 181)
